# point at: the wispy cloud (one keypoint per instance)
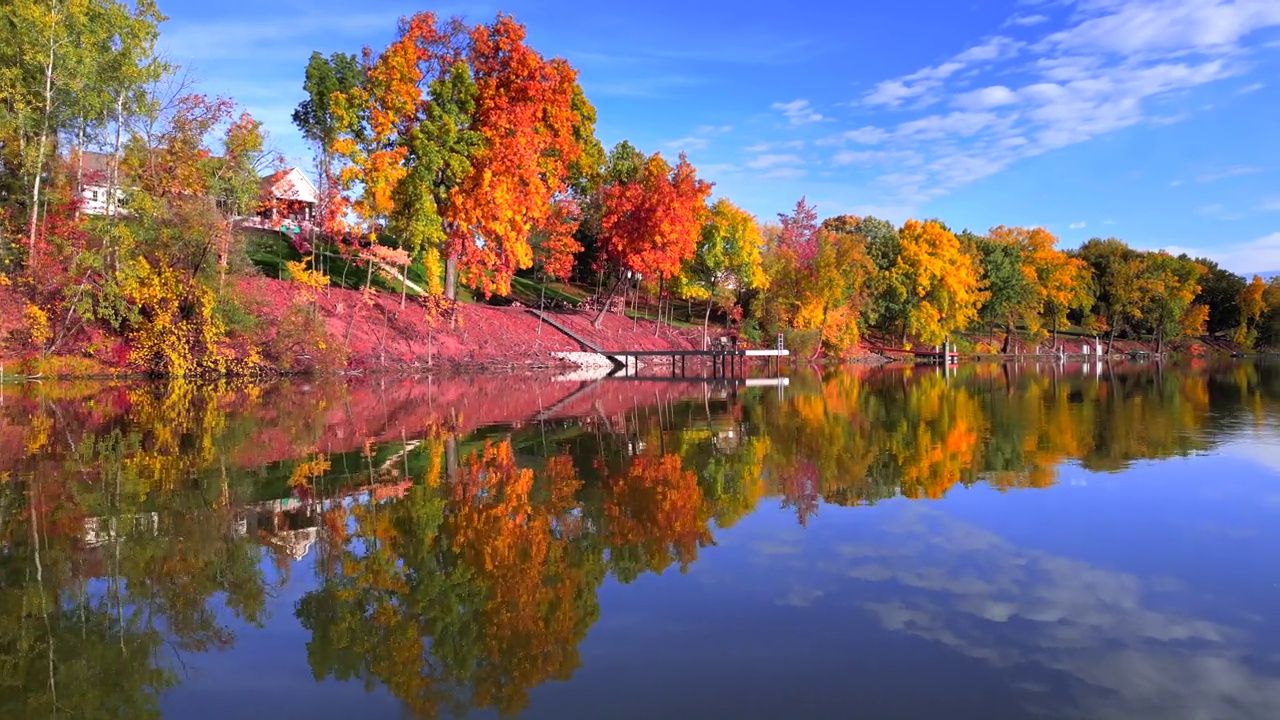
(1077, 225)
(1025, 20)
(700, 139)
(772, 160)
(1219, 211)
(1251, 88)
(688, 144)
(799, 112)
(1231, 172)
(764, 147)
(919, 85)
(1270, 205)
(267, 35)
(1108, 69)
(876, 157)
(1255, 256)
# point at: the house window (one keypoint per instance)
(93, 195)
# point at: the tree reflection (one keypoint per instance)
(458, 565)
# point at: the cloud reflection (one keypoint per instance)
(1120, 643)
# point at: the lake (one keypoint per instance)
(992, 541)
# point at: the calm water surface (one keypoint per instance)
(1000, 543)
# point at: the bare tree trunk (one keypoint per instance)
(604, 307)
(44, 141)
(79, 163)
(658, 325)
(404, 285)
(706, 322)
(451, 277)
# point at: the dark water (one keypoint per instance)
(1001, 543)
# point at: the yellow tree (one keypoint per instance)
(727, 259)
(1058, 282)
(945, 281)
(1168, 287)
(1252, 302)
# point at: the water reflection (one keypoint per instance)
(458, 535)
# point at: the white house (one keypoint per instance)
(288, 195)
(95, 173)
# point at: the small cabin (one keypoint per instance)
(288, 196)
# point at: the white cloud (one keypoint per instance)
(1164, 26)
(1025, 20)
(700, 139)
(772, 160)
(1245, 258)
(283, 35)
(875, 157)
(1231, 172)
(764, 147)
(799, 112)
(706, 130)
(688, 144)
(1076, 84)
(1270, 205)
(1077, 225)
(782, 173)
(892, 93)
(1251, 88)
(988, 97)
(863, 136)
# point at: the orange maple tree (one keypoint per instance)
(524, 111)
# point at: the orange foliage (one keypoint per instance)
(652, 226)
(524, 110)
(656, 505)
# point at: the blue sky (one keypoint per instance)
(1155, 121)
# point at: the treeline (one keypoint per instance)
(923, 282)
(460, 152)
(87, 103)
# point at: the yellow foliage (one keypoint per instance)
(37, 323)
(178, 334)
(309, 469)
(946, 281)
(313, 280)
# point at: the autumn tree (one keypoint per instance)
(1252, 304)
(650, 226)
(1220, 291)
(945, 286)
(1053, 282)
(727, 260)
(1115, 268)
(1168, 287)
(790, 246)
(1269, 324)
(461, 140)
(68, 68)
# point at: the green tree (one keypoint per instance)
(1169, 287)
(1220, 292)
(1011, 296)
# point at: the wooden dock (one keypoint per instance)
(725, 362)
(952, 357)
